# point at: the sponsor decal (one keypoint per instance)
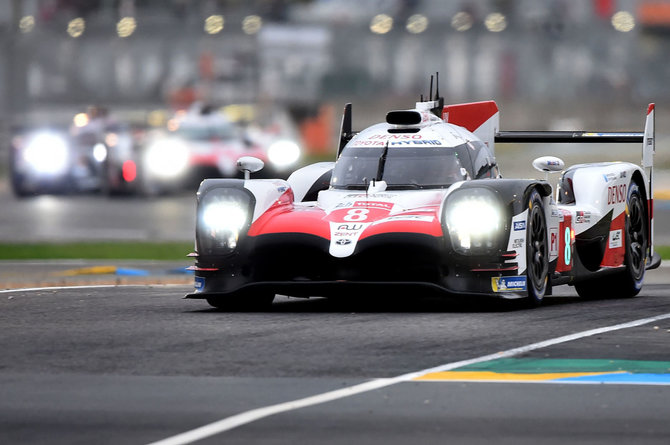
(369, 144)
(609, 134)
(401, 143)
(422, 218)
(615, 239)
(345, 234)
(612, 176)
(519, 225)
(412, 142)
(282, 189)
(396, 136)
(371, 195)
(553, 243)
(355, 227)
(508, 284)
(375, 204)
(199, 284)
(518, 243)
(616, 194)
(609, 177)
(582, 217)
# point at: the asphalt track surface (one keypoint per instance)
(138, 364)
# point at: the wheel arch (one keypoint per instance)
(642, 184)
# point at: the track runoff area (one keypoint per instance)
(499, 367)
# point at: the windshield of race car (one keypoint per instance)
(402, 167)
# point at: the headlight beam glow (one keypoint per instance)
(47, 153)
(283, 153)
(223, 220)
(474, 221)
(167, 159)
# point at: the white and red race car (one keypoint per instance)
(203, 143)
(418, 202)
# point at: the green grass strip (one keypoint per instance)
(541, 366)
(97, 250)
(664, 251)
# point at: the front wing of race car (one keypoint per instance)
(276, 252)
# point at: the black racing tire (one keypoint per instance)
(537, 251)
(15, 178)
(244, 302)
(17, 186)
(627, 283)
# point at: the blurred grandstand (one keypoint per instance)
(549, 63)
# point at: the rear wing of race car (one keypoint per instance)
(482, 118)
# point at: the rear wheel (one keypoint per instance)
(247, 302)
(627, 283)
(537, 251)
(15, 178)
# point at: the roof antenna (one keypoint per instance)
(438, 101)
(421, 98)
(430, 93)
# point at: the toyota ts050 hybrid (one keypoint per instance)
(418, 202)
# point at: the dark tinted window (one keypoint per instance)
(404, 167)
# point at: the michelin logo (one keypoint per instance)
(508, 284)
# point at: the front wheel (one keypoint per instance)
(537, 251)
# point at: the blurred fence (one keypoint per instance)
(552, 59)
(562, 53)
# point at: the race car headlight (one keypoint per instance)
(166, 159)
(47, 153)
(224, 215)
(100, 152)
(474, 219)
(283, 153)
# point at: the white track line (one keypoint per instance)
(246, 417)
(84, 286)
(34, 289)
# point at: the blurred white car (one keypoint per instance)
(96, 153)
(202, 143)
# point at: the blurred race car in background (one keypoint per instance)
(95, 154)
(418, 203)
(201, 142)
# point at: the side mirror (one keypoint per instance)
(548, 164)
(248, 165)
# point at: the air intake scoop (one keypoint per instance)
(404, 117)
(411, 118)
